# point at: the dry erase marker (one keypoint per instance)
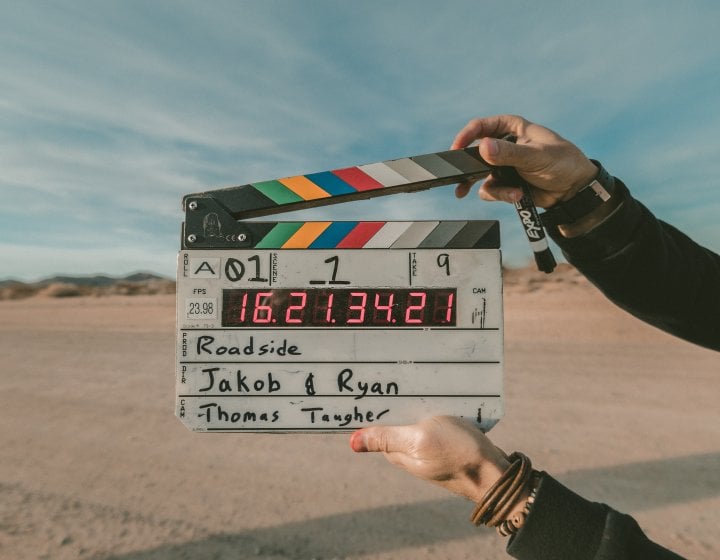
(528, 214)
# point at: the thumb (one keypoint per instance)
(387, 439)
(501, 152)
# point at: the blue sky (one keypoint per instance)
(111, 111)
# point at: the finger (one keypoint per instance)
(462, 189)
(494, 126)
(387, 439)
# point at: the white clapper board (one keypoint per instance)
(306, 327)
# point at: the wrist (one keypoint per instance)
(591, 220)
(583, 177)
(507, 503)
(586, 207)
(478, 482)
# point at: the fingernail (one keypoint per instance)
(357, 442)
(493, 147)
(515, 195)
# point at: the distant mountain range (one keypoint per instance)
(96, 280)
(139, 283)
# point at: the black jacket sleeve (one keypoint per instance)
(563, 526)
(652, 270)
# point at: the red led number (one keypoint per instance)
(448, 308)
(329, 308)
(359, 308)
(322, 312)
(243, 309)
(387, 307)
(300, 309)
(262, 313)
(419, 308)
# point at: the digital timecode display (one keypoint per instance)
(341, 307)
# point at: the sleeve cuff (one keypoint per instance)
(607, 238)
(560, 524)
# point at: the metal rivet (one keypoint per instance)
(192, 238)
(193, 205)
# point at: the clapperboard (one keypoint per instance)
(326, 326)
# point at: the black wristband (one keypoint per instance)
(587, 199)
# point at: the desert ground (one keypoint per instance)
(93, 463)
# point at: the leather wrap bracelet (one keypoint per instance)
(587, 199)
(497, 503)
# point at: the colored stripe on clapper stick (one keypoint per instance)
(304, 188)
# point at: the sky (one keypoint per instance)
(111, 111)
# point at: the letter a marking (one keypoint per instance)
(205, 266)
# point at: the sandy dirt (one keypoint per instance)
(93, 464)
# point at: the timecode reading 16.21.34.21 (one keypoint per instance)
(339, 307)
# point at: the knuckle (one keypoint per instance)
(382, 441)
(519, 119)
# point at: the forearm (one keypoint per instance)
(650, 269)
